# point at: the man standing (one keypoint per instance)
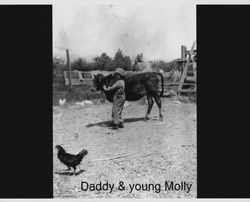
(118, 99)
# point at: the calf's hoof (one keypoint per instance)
(121, 125)
(115, 127)
(161, 118)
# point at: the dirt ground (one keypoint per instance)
(150, 151)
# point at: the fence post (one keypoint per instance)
(69, 71)
(183, 57)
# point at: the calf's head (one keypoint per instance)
(98, 81)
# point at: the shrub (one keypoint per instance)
(165, 66)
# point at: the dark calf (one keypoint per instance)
(136, 87)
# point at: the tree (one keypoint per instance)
(79, 64)
(139, 58)
(57, 63)
(118, 59)
(122, 61)
(58, 66)
(127, 63)
(103, 62)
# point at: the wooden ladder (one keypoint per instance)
(185, 78)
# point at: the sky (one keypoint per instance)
(156, 30)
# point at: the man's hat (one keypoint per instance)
(120, 71)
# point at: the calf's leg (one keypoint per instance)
(158, 102)
(150, 105)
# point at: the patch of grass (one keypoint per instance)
(78, 94)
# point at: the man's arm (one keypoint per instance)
(118, 84)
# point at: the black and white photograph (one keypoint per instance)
(109, 100)
(124, 100)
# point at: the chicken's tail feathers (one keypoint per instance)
(83, 152)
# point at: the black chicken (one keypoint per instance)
(70, 160)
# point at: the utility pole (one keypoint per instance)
(69, 70)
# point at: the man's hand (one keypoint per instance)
(105, 87)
